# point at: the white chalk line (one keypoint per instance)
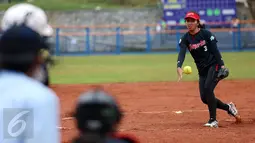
(182, 111)
(167, 111)
(159, 112)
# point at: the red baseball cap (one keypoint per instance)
(192, 15)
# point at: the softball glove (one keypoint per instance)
(223, 73)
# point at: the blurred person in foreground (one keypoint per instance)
(29, 110)
(97, 116)
(37, 20)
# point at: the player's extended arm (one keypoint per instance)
(181, 56)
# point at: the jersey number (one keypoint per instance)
(205, 48)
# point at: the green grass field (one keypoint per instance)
(140, 68)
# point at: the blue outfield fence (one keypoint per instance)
(144, 39)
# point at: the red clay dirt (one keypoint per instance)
(149, 111)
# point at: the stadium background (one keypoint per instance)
(143, 38)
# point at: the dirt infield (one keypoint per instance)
(150, 111)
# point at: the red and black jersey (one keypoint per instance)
(202, 47)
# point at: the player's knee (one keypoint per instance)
(203, 98)
(208, 91)
(208, 94)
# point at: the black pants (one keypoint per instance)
(207, 84)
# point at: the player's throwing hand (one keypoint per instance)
(179, 72)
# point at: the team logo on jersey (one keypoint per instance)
(195, 46)
(212, 38)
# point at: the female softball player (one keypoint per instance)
(202, 45)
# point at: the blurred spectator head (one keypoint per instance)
(97, 115)
(32, 16)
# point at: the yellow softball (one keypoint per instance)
(187, 70)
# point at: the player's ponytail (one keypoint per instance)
(202, 26)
